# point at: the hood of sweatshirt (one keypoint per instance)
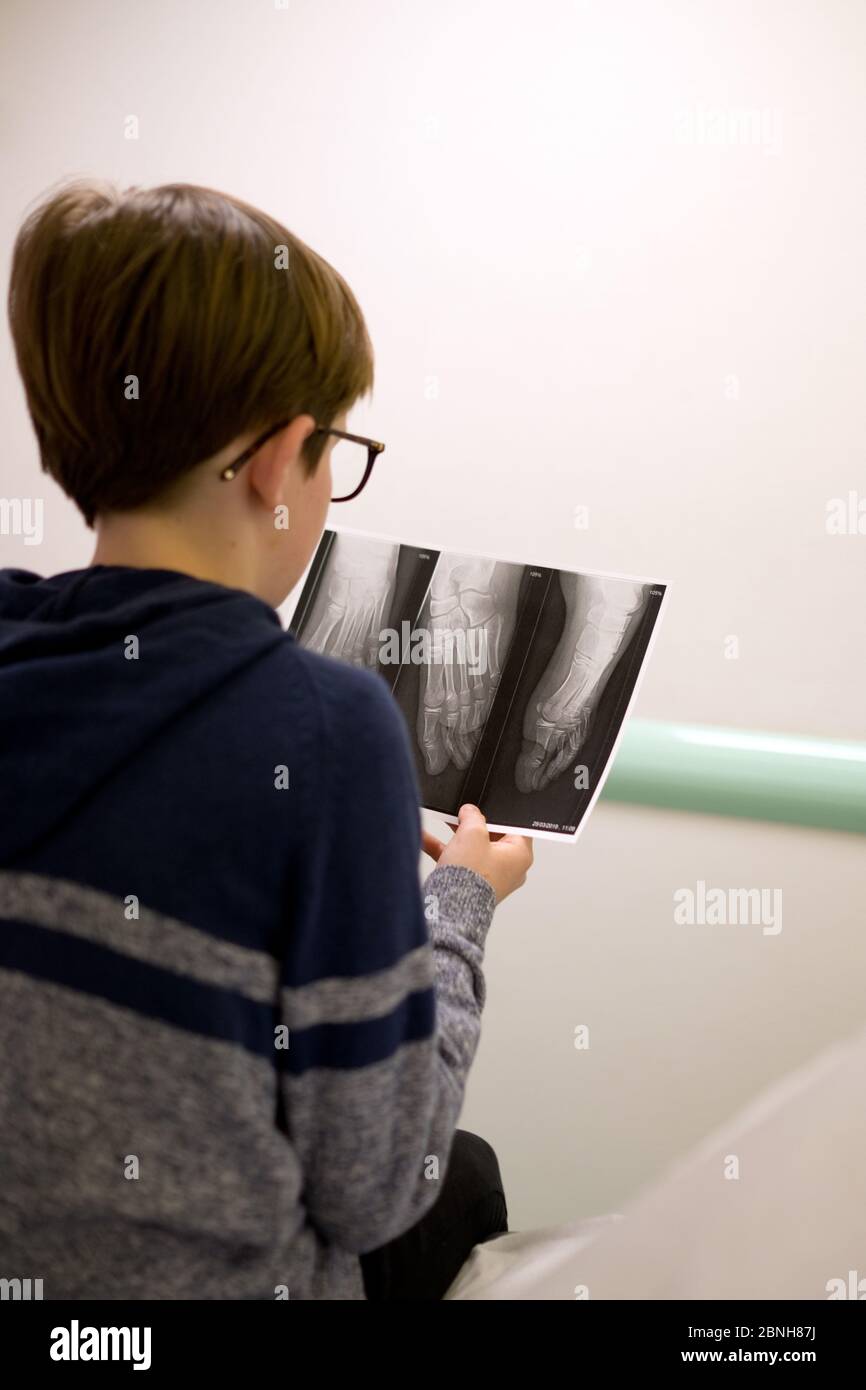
(93, 665)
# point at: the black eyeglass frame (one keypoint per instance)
(374, 449)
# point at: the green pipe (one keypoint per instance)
(732, 772)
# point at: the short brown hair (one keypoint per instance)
(178, 286)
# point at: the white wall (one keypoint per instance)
(611, 255)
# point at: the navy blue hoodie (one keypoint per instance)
(234, 1032)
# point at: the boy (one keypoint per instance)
(234, 1056)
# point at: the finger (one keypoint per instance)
(471, 818)
(431, 845)
(522, 844)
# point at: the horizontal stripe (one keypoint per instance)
(209, 1010)
(152, 992)
(151, 938)
(345, 1046)
(350, 999)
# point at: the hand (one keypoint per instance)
(504, 860)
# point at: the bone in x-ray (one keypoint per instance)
(457, 655)
(470, 616)
(350, 608)
(601, 615)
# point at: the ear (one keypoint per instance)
(278, 463)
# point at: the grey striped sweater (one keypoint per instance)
(235, 1034)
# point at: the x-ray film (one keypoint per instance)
(514, 679)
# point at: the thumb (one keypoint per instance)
(469, 817)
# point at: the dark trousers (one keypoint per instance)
(425, 1260)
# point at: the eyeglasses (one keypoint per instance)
(348, 461)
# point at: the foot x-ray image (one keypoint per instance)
(350, 606)
(600, 614)
(514, 680)
(474, 600)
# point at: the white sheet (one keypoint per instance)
(791, 1225)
